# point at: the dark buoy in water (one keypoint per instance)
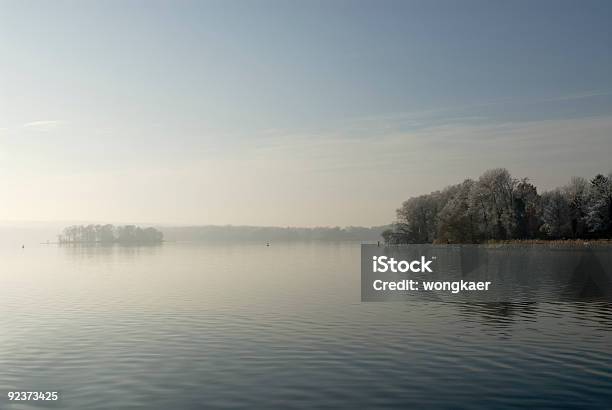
(267, 243)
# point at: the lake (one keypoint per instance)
(189, 326)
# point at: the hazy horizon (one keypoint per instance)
(291, 114)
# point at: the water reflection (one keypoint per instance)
(516, 273)
(191, 326)
(499, 314)
(105, 250)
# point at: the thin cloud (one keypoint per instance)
(45, 125)
(440, 115)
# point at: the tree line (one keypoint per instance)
(498, 206)
(109, 234)
(271, 233)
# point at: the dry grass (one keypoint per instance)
(578, 243)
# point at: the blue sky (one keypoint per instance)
(283, 113)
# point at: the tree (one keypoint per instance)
(456, 219)
(105, 233)
(576, 193)
(555, 215)
(418, 216)
(526, 211)
(498, 206)
(599, 207)
(109, 234)
(494, 195)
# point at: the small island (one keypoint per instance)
(109, 234)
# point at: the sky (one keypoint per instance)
(291, 113)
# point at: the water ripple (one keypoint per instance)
(150, 331)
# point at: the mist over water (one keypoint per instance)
(189, 325)
(185, 186)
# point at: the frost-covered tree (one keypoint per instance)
(599, 207)
(526, 206)
(417, 217)
(493, 201)
(457, 223)
(498, 206)
(555, 215)
(576, 193)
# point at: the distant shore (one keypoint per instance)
(553, 243)
(104, 243)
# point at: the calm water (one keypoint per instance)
(186, 326)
